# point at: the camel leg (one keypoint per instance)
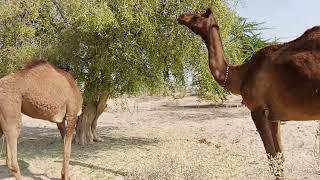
(12, 159)
(275, 128)
(71, 122)
(62, 128)
(276, 135)
(264, 127)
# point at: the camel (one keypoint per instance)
(40, 91)
(279, 83)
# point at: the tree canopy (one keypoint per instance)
(121, 47)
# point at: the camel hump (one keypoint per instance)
(312, 30)
(35, 63)
(312, 33)
(38, 62)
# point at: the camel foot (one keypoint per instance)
(63, 178)
(98, 139)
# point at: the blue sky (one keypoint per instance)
(287, 19)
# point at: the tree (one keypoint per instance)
(115, 47)
(247, 40)
(16, 36)
(129, 47)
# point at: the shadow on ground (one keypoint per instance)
(94, 167)
(204, 106)
(5, 172)
(197, 113)
(37, 142)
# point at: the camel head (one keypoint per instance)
(199, 23)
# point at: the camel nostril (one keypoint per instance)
(180, 17)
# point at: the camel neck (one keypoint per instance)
(218, 64)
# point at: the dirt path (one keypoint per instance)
(161, 138)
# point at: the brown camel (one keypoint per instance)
(280, 82)
(43, 92)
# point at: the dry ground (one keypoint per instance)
(162, 138)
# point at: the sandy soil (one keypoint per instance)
(163, 138)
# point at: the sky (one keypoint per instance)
(285, 19)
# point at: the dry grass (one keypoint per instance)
(161, 138)
(165, 166)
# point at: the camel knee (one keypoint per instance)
(13, 166)
(260, 119)
(261, 112)
(15, 170)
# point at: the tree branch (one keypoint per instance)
(57, 5)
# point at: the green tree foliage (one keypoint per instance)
(117, 47)
(246, 40)
(16, 37)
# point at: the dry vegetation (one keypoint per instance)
(161, 138)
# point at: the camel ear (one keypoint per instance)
(208, 12)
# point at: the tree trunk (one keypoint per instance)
(87, 124)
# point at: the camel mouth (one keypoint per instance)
(181, 20)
